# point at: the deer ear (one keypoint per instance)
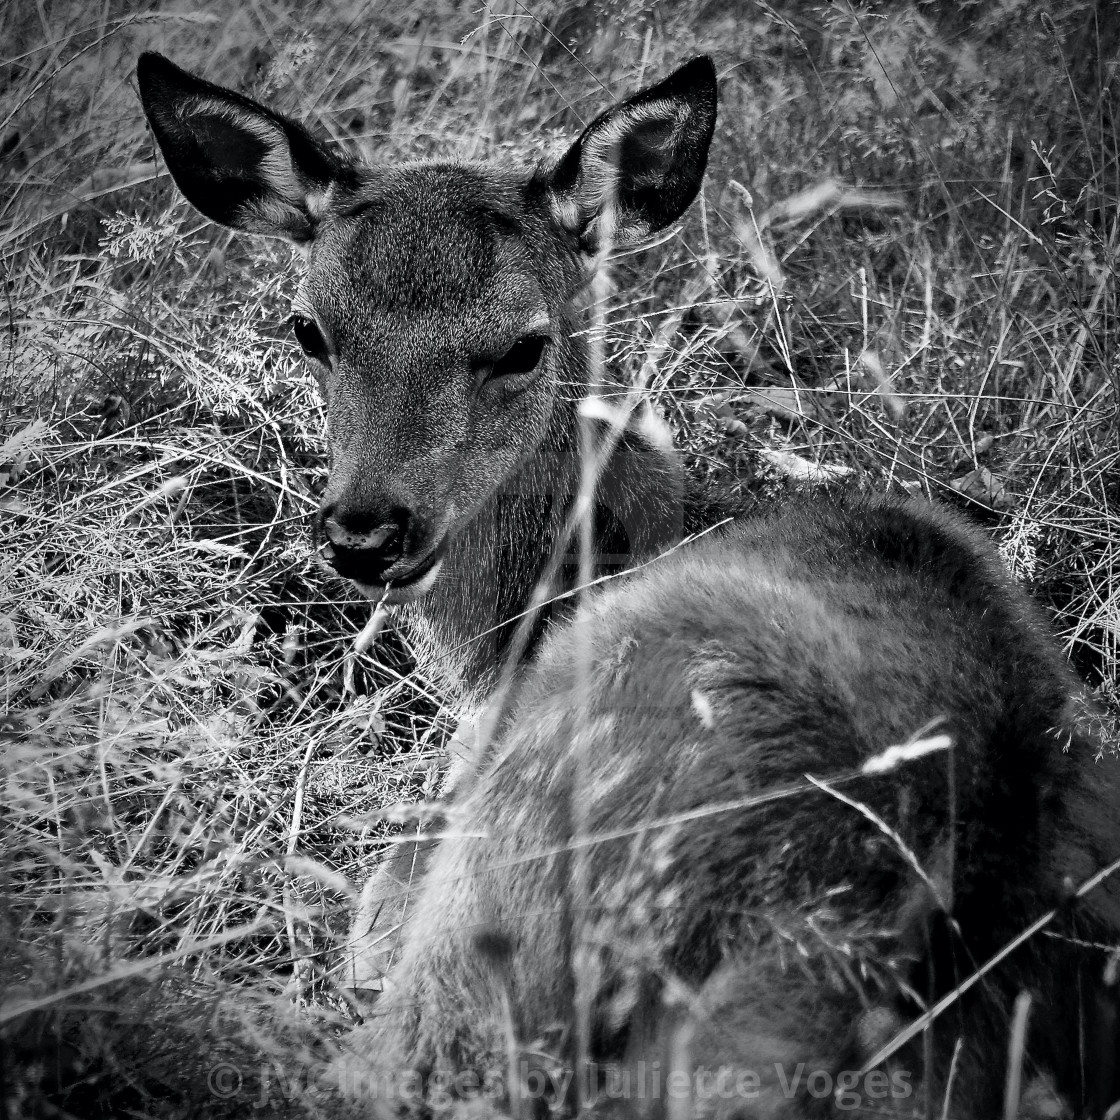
(639, 165)
(239, 163)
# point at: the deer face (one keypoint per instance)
(437, 297)
(441, 335)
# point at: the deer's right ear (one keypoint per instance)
(239, 163)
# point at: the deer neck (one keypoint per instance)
(499, 565)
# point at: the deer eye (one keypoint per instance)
(522, 357)
(309, 337)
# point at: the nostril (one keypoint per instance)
(380, 537)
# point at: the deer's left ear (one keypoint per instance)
(638, 166)
(240, 163)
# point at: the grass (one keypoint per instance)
(903, 271)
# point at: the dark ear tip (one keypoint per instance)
(152, 67)
(149, 62)
(701, 66)
(698, 71)
(695, 79)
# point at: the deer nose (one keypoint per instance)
(362, 545)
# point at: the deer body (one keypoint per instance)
(645, 876)
(641, 871)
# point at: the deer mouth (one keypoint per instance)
(410, 585)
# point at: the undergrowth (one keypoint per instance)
(902, 272)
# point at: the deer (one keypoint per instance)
(457, 446)
(760, 802)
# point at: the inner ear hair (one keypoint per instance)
(237, 161)
(637, 166)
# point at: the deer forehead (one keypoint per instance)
(430, 242)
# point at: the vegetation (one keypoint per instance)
(902, 272)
